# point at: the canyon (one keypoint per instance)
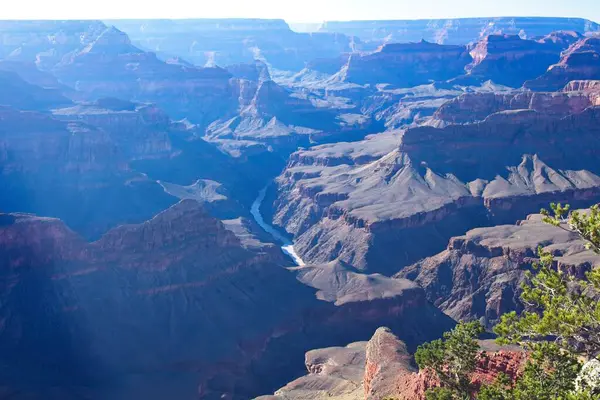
(227, 209)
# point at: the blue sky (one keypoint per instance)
(296, 10)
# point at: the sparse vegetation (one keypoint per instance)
(560, 329)
(453, 359)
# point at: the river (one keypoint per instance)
(287, 245)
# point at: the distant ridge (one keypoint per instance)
(456, 30)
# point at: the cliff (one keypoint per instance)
(406, 64)
(510, 60)
(102, 305)
(139, 130)
(81, 172)
(111, 66)
(456, 31)
(382, 368)
(479, 275)
(231, 41)
(368, 211)
(581, 61)
(45, 42)
(474, 107)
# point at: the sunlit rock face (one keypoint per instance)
(383, 368)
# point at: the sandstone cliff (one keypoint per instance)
(382, 368)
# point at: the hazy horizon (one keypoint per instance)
(305, 12)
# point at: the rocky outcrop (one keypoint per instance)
(139, 130)
(256, 71)
(383, 368)
(45, 43)
(103, 304)
(472, 107)
(275, 119)
(581, 61)
(582, 86)
(334, 373)
(80, 172)
(406, 64)
(369, 213)
(479, 275)
(104, 68)
(456, 31)
(510, 60)
(389, 368)
(231, 41)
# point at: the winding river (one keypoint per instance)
(287, 246)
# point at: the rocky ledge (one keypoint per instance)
(511, 60)
(478, 277)
(581, 61)
(575, 97)
(382, 368)
(403, 64)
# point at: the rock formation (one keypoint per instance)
(474, 107)
(111, 66)
(146, 286)
(80, 172)
(510, 60)
(230, 41)
(45, 42)
(149, 154)
(478, 276)
(581, 61)
(406, 65)
(334, 373)
(456, 31)
(383, 368)
(367, 211)
(140, 131)
(256, 71)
